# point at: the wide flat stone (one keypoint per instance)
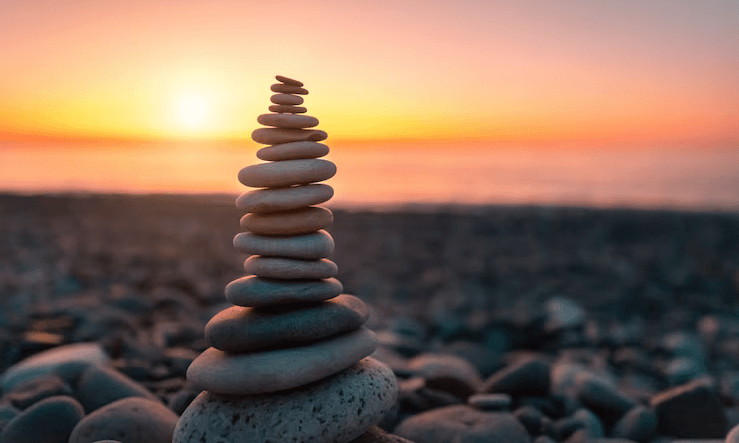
(309, 246)
(128, 420)
(257, 291)
(238, 329)
(293, 151)
(295, 221)
(288, 109)
(288, 80)
(49, 421)
(283, 199)
(286, 99)
(279, 369)
(288, 89)
(287, 173)
(289, 121)
(337, 409)
(289, 268)
(274, 136)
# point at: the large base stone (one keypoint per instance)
(337, 409)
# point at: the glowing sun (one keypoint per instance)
(192, 110)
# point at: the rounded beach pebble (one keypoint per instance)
(295, 222)
(283, 199)
(279, 369)
(257, 291)
(337, 409)
(288, 108)
(49, 421)
(290, 121)
(287, 173)
(310, 246)
(292, 151)
(286, 99)
(129, 420)
(238, 329)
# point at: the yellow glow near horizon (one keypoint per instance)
(192, 110)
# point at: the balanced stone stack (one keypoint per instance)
(288, 362)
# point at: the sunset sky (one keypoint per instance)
(567, 73)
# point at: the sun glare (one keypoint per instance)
(192, 110)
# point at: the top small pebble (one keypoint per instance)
(288, 81)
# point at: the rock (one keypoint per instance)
(447, 373)
(129, 420)
(563, 313)
(680, 370)
(490, 402)
(639, 424)
(692, 410)
(275, 136)
(256, 291)
(483, 359)
(46, 362)
(278, 369)
(180, 400)
(32, 391)
(461, 423)
(602, 397)
(591, 423)
(527, 376)
(309, 246)
(294, 222)
(288, 121)
(288, 89)
(531, 418)
(292, 151)
(239, 329)
(289, 269)
(288, 109)
(286, 173)
(7, 413)
(283, 199)
(288, 81)
(733, 435)
(338, 408)
(49, 421)
(377, 435)
(286, 99)
(102, 385)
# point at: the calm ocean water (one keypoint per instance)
(387, 175)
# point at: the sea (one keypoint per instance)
(396, 175)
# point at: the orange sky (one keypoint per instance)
(576, 72)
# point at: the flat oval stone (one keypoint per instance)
(128, 420)
(292, 151)
(288, 89)
(258, 291)
(50, 421)
(283, 199)
(275, 136)
(288, 80)
(286, 99)
(296, 221)
(287, 173)
(238, 329)
(328, 411)
(290, 121)
(279, 369)
(288, 109)
(287, 268)
(310, 246)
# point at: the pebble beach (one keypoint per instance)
(500, 323)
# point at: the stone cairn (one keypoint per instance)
(288, 362)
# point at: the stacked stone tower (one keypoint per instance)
(289, 361)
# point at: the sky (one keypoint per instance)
(595, 73)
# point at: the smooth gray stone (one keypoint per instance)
(639, 424)
(129, 420)
(288, 81)
(275, 136)
(287, 173)
(445, 372)
(288, 268)
(286, 99)
(336, 409)
(100, 386)
(310, 246)
(33, 391)
(284, 199)
(257, 291)
(292, 151)
(288, 109)
(293, 222)
(288, 89)
(49, 421)
(239, 329)
(279, 369)
(289, 121)
(48, 361)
